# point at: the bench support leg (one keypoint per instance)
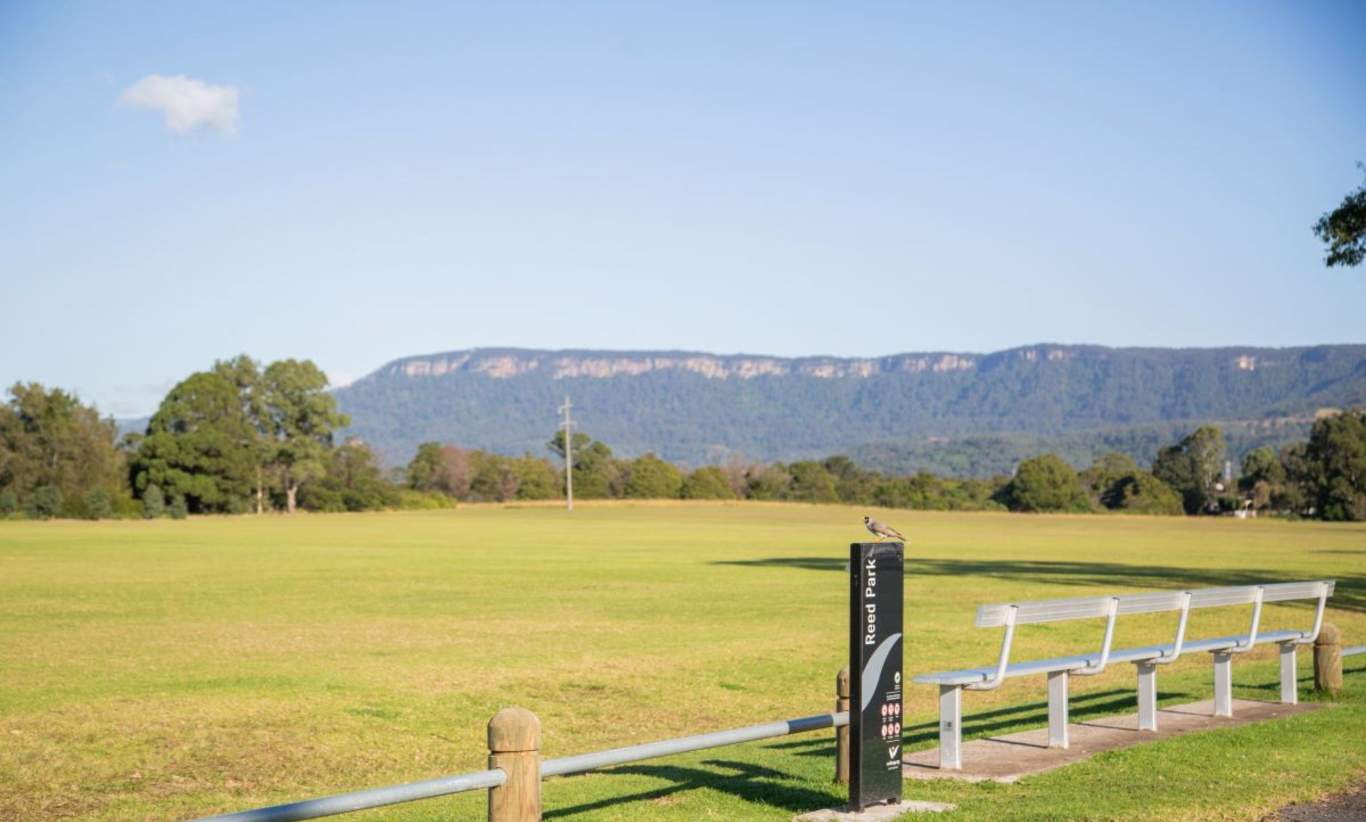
(1147, 696)
(1057, 709)
(950, 727)
(1223, 684)
(1290, 686)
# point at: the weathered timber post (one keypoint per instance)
(1328, 660)
(842, 733)
(515, 747)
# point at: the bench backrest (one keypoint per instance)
(1058, 610)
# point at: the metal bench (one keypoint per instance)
(952, 683)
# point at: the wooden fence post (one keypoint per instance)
(1328, 660)
(515, 747)
(842, 733)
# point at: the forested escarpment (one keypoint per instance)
(967, 414)
(245, 436)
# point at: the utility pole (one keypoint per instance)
(568, 455)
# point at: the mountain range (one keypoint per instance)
(953, 412)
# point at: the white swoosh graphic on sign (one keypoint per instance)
(872, 672)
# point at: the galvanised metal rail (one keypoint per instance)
(563, 766)
(1354, 650)
(373, 798)
(566, 765)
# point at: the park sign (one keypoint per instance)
(875, 643)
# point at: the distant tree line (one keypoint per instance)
(1324, 477)
(238, 437)
(242, 437)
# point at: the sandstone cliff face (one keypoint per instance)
(505, 364)
(698, 407)
(605, 365)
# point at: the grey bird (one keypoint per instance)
(882, 530)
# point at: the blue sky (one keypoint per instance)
(782, 178)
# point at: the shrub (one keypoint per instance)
(1104, 476)
(812, 483)
(9, 503)
(1046, 483)
(153, 502)
(707, 483)
(1142, 493)
(98, 504)
(536, 478)
(44, 502)
(768, 482)
(494, 480)
(179, 508)
(650, 477)
(125, 505)
(319, 496)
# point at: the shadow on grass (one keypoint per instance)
(743, 780)
(1012, 718)
(1350, 594)
(757, 783)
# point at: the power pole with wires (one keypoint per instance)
(568, 455)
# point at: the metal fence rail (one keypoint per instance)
(373, 798)
(1354, 650)
(563, 766)
(566, 765)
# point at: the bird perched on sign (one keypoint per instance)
(882, 530)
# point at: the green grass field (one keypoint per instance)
(164, 670)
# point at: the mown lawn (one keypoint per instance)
(165, 670)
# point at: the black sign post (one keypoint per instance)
(875, 644)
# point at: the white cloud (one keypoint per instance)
(187, 103)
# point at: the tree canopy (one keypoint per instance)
(54, 446)
(1343, 229)
(1192, 467)
(300, 419)
(1046, 483)
(1336, 457)
(200, 446)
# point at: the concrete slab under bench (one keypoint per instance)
(1011, 757)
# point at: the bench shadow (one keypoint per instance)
(761, 784)
(1350, 594)
(743, 780)
(986, 723)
